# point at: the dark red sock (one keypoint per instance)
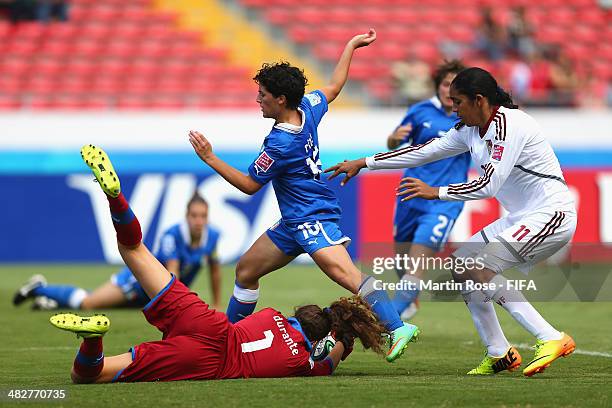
(90, 358)
(125, 222)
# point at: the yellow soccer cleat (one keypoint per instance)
(102, 168)
(493, 365)
(548, 351)
(85, 327)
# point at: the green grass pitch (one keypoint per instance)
(34, 355)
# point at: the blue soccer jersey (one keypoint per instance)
(289, 158)
(176, 244)
(429, 120)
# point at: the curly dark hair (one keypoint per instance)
(447, 67)
(283, 79)
(345, 317)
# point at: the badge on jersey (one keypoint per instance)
(313, 98)
(498, 151)
(263, 162)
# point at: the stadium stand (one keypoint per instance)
(576, 28)
(114, 54)
(174, 54)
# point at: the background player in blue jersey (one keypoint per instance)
(183, 249)
(289, 157)
(421, 227)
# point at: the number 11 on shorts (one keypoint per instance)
(523, 231)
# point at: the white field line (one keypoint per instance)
(525, 346)
(50, 348)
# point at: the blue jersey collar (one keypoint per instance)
(435, 101)
(297, 326)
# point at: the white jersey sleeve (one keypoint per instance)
(505, 150)
(451, 144)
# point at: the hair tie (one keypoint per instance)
(326, 310)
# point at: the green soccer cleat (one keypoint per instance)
(492, 365)
(85, 327)
(102, 168)
(399, 340)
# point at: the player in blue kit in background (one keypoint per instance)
(421, 227)
(310, 211)
(183, 249)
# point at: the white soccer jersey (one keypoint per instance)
(516, 163)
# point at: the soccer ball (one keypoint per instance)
(321, 348)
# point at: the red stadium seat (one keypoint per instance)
(14, 66)
(10, 85)
(9, 102)
(301, 33)
(106, 85)
(132, 102)
(30, 31)
(282, 16)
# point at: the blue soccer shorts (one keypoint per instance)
(309, 237)
(427, 229)
(133, 292)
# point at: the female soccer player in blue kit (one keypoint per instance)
(310, 212)
(183, 249)
(421, 227)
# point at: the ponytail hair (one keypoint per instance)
(196, 198)
(350, 317)
(473, 81)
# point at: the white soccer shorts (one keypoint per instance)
(520, 242)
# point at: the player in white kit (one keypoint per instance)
(518, 167)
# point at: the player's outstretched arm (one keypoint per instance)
(411, 187)
(236, 178)
(412, 156)
(340, 74)
(349, 167)
(334, 357)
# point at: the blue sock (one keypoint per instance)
(65, 295)
(380, 304)
(242, 303)
(403, 299)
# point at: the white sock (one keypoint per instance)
(246, 295)
(416, 281)
(486, 322)
(76, 298)
(523, 312)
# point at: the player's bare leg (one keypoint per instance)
(106, 296)
(149, 272)
(336, 263)
(260, 259)
(112, 366)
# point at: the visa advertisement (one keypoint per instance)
(53, 211)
